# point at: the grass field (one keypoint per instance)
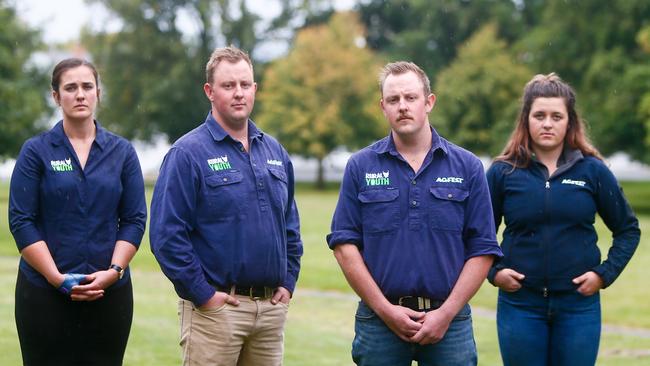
(320, 326)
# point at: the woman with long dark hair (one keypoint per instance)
(547, 186)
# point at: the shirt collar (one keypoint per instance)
(218, 133)
(387, 144)
(58, 137)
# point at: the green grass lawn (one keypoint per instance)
(321, 318)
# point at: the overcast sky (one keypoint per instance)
(62, 20)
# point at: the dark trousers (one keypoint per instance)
(54, 330)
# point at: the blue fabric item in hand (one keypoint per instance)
(69, 281)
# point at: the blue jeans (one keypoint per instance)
(376, 345)
(562, 329)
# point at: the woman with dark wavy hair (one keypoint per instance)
(547, 186)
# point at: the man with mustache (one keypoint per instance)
(224, 226)
(413, 234)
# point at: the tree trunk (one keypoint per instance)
(320, 175)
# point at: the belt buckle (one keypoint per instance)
(268, 293)
(423, 302)
(399, 301)
(250, 294)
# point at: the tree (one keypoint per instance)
(597, 46)
(478, 94)
(23, 87)
(429, 32)
(324, 93)
(154, 72)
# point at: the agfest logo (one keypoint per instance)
(61, 165)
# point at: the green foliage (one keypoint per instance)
(429, 32)
(23, 87)
(478, 94)
(324, 93)
(600, 47)
(153, 74)
(151, 81)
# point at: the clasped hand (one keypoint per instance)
(417, 327)
(89, 287)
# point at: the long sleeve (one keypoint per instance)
(172, 209)
(621, 221)
(294, 243)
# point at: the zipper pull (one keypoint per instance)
(545, 289)
(548, 185)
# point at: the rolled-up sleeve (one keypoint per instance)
(24, 197)
(346, 222)
(479, 234)
(172, 219)
(132, 208)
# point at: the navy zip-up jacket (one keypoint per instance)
(549, 235)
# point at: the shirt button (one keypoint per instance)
(413, 182)
(450, 195)
(241, 148)
(414, 203)
(260, 184)
(225, 179)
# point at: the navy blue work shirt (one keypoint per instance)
(415, 230)
(221, 216)
(80, 214)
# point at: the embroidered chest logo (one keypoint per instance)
(449, 180)
(61, 165)
(580, 183)
(274, 162)
(220, 163)
(378, 179)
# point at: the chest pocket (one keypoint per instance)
(279, 188)
(224, 197)
(379, 210)
(447, 209)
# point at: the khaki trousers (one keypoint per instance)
(246, 335)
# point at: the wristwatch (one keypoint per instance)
(119, 270)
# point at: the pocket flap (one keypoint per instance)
(450, 193)
(224, 178)
(279, 174)
(378, 195)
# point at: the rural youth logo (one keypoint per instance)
(274, 162)
(580, 183)
(61, 165)
(220, 163)
(449, 180)
(378, 179)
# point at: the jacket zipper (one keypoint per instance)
(547, 187)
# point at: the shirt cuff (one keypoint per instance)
(26, 236)
(130, 234)
(342, 237)
(602, 272)
(202, 294)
